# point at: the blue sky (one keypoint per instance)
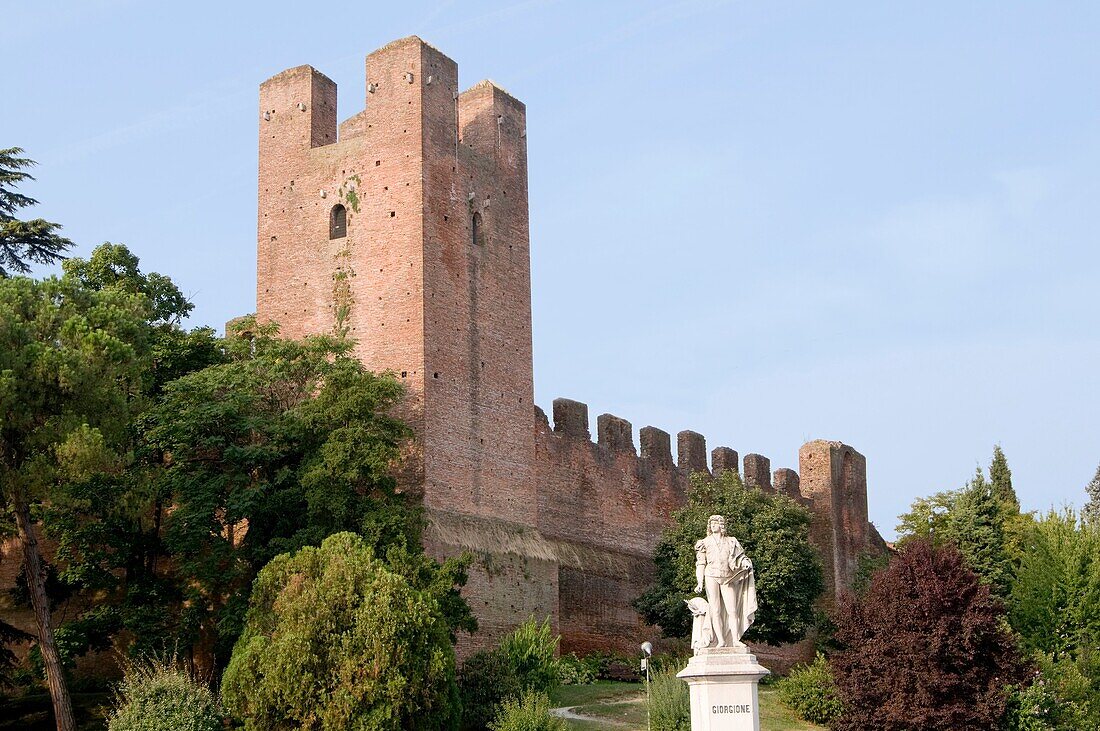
(767, 222)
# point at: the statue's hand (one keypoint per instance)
(698, 588)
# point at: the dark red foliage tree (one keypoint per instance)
(925, 648)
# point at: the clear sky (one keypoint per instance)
(768, 222)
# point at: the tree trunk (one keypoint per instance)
(36, 585)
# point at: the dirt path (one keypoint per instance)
(569, 713)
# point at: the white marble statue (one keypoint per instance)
(724, 570)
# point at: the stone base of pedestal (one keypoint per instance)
(723, 686)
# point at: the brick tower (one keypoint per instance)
(407, 229)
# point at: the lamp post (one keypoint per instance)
(647, 650)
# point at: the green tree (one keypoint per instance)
(71, 361)
(107, 524)
(1000, 480)
(774, 531)
(113, 266)
(928, 518)
(282, 445)
(982, 525)
(976, 525)
(1091, 512)
(338, 639)
(1055, 600)
(21, 242)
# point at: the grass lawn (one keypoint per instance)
(621, 706)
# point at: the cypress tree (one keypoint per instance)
(1000, 477)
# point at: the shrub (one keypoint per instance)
(926, 647)
(159, 696)
(529, 713)
(574, 671)
(811, 692)
(606, 666)
(485, 681)
(530, 650)
(335, 639)
(1059, 698)
(669, 701)
(523, 662)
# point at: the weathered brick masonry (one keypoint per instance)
(407, 227)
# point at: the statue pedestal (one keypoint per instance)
(723, 686)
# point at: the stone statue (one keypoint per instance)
(725, 571)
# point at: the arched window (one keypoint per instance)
(338, 222)
(476, 234)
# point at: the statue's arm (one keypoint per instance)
(700, 564)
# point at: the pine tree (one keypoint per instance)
(21, 242)
(1000, 477)
(976, 525)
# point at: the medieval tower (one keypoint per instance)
(406, 227)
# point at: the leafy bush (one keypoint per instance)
(524, 662)
(574, 671)
(811, 691)
(158, 696)
(529, 713)
(669, 701)
(1059, 698)
(485, 681)
(530, 650)
(335, 639)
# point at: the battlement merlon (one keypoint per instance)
(758, 472)
(691, 452)
(615, 433)
(724, 459)
(571, 418)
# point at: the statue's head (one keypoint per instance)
(716, 524)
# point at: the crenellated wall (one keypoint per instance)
(427, 267)
(602, 506)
